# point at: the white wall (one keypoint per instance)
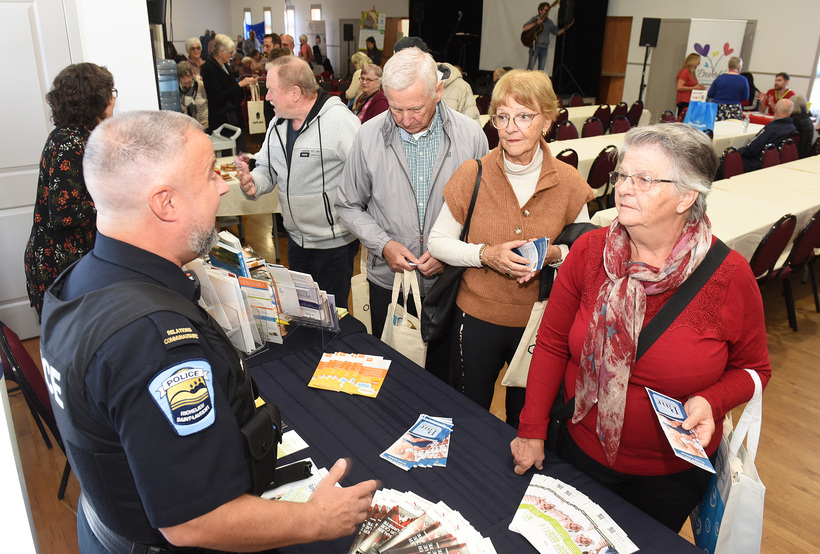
(778, 46)
(188, 18)
(125, 23)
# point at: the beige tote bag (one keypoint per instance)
(361, 293)
(402, 331)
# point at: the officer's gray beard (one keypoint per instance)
(203, 238)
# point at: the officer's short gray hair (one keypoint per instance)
(406, 67)
(132, 148)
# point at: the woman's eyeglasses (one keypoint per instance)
(522, 120)
(641, 182)
(114, 92)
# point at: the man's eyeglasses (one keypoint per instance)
(641, 182)
(522, 120)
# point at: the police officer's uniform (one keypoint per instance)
(163, 444)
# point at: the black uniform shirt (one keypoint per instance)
(142, 382)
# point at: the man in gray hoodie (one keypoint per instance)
(304, 151)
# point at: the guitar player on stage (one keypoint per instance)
(536, 34)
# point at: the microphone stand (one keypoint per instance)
(447, 44)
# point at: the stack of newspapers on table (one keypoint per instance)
(557, 518)
(251, 299)
(403, 522)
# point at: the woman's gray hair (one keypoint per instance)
(800, 104)
(407, 66)
(734, 63)
(374, 70)
(191, 42)
(132, 148)
(183, 69)
(223, 43)
(690, 153)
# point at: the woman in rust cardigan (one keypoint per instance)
(525, 194)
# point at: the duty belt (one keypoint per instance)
(114, 542)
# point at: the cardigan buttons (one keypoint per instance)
(517, 230)
(526, 213)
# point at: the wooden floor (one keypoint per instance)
(788, 458)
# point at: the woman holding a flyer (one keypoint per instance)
(613, 283)
(524, 194)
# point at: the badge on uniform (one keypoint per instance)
(184, 393)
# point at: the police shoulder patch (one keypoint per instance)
(184, 393)
(175, 329)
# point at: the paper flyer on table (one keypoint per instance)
(556, 518)
(425, 444)
(535, 251)
(685, 444)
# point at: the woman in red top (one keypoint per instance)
(687, 81)
(611, 284)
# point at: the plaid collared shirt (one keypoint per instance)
(421, 156)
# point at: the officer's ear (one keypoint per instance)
(164, 201)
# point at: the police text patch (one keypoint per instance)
(184, 393)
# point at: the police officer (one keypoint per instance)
(153, 417)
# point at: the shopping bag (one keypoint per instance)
(701, 115)
(402, 331)
(361, 293)
(256, 112)
(729, 518)
(519, 367)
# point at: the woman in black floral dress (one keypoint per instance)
(64, 215)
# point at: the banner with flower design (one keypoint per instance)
(716, 40)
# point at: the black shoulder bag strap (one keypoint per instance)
(661, 322)
(466, 230)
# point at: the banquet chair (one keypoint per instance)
(604, 113)
(815, 148)
(566, 131)
(709, 133)
(771, 247)
(492, 134)
(619, 124)
(788, 151)
(668, 117)
(598, 178)
(576, 100)
(800, 257)
(34, 388)
(731, 164)
(635, 112)
(568, 156)
(482, 102)
(593, 127)
(770, 156)
(622, 108)
(563, 115)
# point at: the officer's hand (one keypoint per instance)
(340, 509)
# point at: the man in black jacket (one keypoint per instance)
(775, 132)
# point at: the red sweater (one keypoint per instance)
(702, 353)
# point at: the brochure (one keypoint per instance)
(535, 251)
(425, 444)
(685, 444)
(556, 518)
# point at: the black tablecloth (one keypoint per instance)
(478, 481)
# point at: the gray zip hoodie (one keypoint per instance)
(309, 177)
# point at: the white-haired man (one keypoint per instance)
(392, 188)
(153, 402)
(304, 152)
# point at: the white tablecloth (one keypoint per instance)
(234, 203)
(729, 133)
(743, 209)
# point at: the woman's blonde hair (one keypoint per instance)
(691, 61)
(360, 59)
(532, 89)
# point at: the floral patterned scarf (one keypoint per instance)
(612, 338)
